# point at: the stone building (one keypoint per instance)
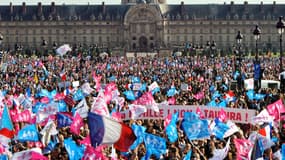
(139, 25)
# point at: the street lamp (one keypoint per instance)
(256, 33)
(280, 28)
(44, 45)
(239, 38)
(213, 48)
(1, 39)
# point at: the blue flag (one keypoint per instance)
(283, 151)
(46, 93)
(5, 121)
(212, 104)
(196, 129)
(28, 92)
(155, 90)
(28, 133)
(63, 120)
(216, 95)
(257, 71)
(78, 95)
(223, 104)
(171, 130)
(62, 107)
(220, 129)
(250, 94)
(188, 155)
(259, 96)
(136, 79)
(190, 116)
(139, 132)
(171, 92)
(154, 145)
(258, 149)
(51, 145)
(143, 87)
(130, 95)
(3, 157)
(74, 152)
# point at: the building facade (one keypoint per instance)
(138, 25)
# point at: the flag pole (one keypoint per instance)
(198, 150)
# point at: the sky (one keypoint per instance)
(57, 2)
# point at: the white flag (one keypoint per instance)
(47, 131)
(82, 108)
(86, 88)
(262, 117)
(137, 110)
(233, 129)
(153, 86)
(62, 50)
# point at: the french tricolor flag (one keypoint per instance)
(104, 130)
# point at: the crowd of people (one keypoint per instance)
(20, 74)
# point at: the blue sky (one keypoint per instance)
(34, 2)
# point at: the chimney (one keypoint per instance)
(24, 8)
(261, 8)
(274, 7)
(40, 8)
(245, 6)
(52, 7)
(11, 8)
(103, 8)
(232, 10)
(182, 8)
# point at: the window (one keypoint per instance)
(108, 39)
(100, 39)
(57, 31)
(134, 38)
(74, 39)
(151, 38)
(185, 38)
(177, 39)
(84, 31)
(92, 39)
(84, 39)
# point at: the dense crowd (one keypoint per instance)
(20, 73)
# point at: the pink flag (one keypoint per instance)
(222, 116)
(2, 149)
(86, 141)
(76, 124)
(137, 110)
(200, 113)
(45, 100)
(275, 109)
(171, 101)
(199, 95)
(91, 154)
(243, 147)
(100, 107)
(59, 96)
(145, 99)
(117, 116)
(110, 87)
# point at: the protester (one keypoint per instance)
(55, 104)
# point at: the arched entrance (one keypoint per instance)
(143, 43)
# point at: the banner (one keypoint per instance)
(233, 114)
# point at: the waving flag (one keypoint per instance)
(78, 95)
(76, 124)
(233, 129)
(154, 145)
(257, 151)
(30, 154)
(262, 117)
(275, 109)
(104, 130)
(139, 132)
(74, 152)
(130, 95)
(86, 89)
(6, 125)
(171, 92)
(63, 120)
(199, 95)
(62, 107)
(137, 110)
(171, 130)
(190, 116)
(100, 107)
(147, 99)
(196, 129)
(136, 79)
(81, 108)
(28, 133)
(92, 154)
(48, 131)
(171, 101)
(62, 50)
(243, 147)
(220, 129)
